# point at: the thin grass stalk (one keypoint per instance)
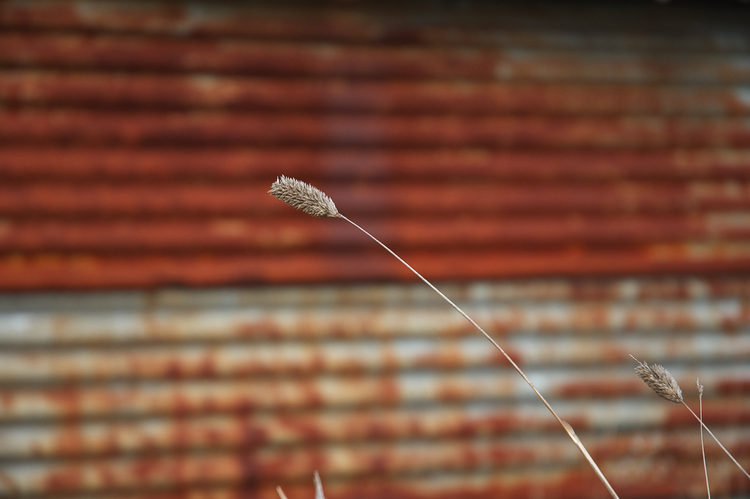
(318, 488)
(708, 430)
(314, 202)
(568, 429)
(703, 447)
(665, 385)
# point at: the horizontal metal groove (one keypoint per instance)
(399, 439)
(215, 128)
(408, 465)
(146, 240)
(119, 52)
(430, 321)
(576, 483)
(210, 396)
(416, 106)
(164, 166)
(413, 110)
(605, 446)
(553, 41)
(351, 23)
(188, 235)
(537, 292)
(707, 84)
(240, 412)
(526, 451)
(103, 91)
(442, 485)
(414, 469)
(141, 199)
(365, 24)
(56, 274)
(586, 335)
(350, 28)
(302, 357)
(196, 435)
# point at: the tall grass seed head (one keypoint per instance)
(303, 196)
(660, 381)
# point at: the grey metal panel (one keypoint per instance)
(381, 388)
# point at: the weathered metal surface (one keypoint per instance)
(151, 91)
(423, 199)
(382, 388)
(137, 142)
(516, 25)
(133, 52)
(79, 271)
(232, 164)
(198, 128)
(237, 234)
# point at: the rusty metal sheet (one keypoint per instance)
(151, 91)
(606, 145)
(171, 361)
(448, 456)
(241, 390)
(22, 271)
(207, 395)
(545, 307)
(240, 56)
(74, 164)
(152, 128)
(138, 142)
(210, 56)
(92, 438)
(236, 234)
(250, 201)
(514, 24)
(306, 59)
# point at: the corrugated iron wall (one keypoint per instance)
(599, 152)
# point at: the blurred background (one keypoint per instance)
(576, 175)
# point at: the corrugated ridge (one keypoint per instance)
(484, 23)
(335, 392)
(96, 365)
(52, 443)
(202, 91)
(82, 271)
(424, 198)
(250, 322)
(89, 165)
(289, 59)
(149, 128)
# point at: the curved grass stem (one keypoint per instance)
(568, 429)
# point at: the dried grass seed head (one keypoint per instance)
(304, 197)
(660, 381)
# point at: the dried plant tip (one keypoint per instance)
(660, 380)
(304, 197)
(318, 486)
